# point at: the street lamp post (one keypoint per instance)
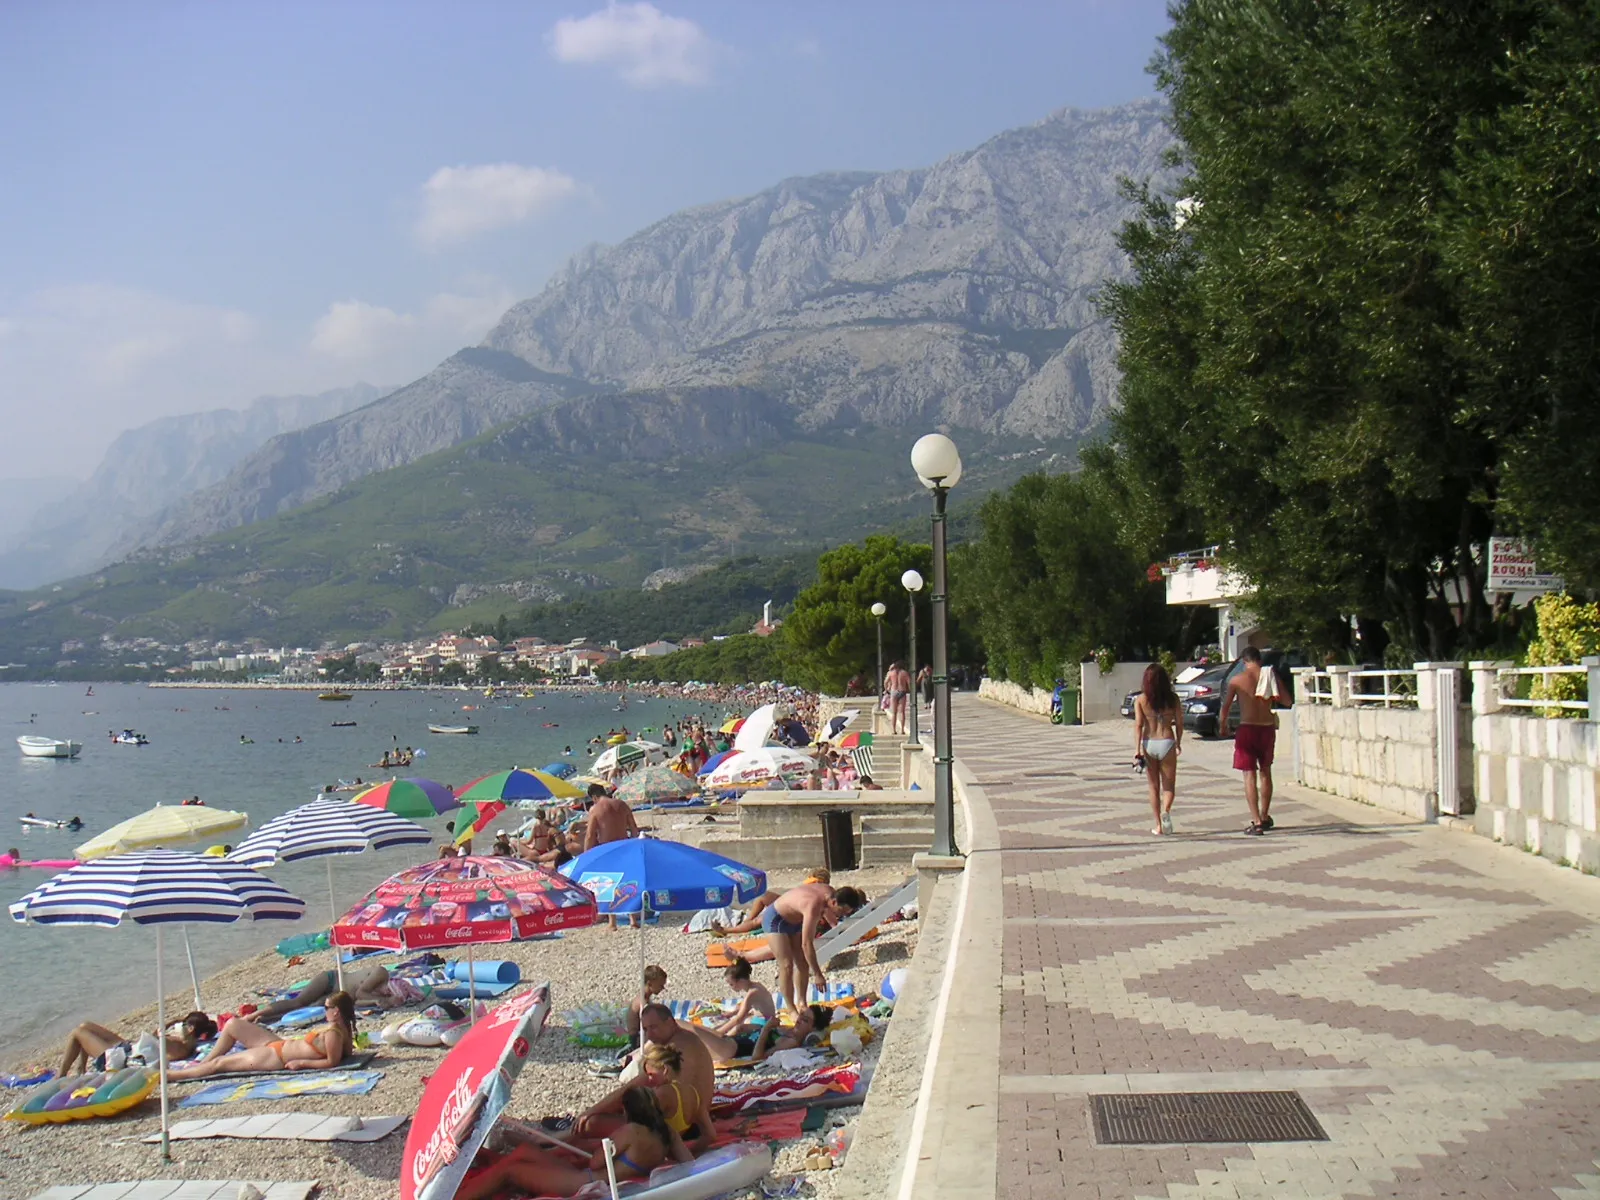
(937, 463)
(912, 582)
(878, 610)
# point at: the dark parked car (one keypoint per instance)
(1204, 698)
(1127, 703)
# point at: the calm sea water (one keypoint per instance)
(55, 977)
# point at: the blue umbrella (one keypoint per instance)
(561, 770)
(714, 762)
(643, 874)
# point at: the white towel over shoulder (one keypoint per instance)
(1269, 687)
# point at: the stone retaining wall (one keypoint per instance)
(1033, 700)
(1536, 784)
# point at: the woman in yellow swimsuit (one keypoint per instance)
(677, 1101)
(316, 1050)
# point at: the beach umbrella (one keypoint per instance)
(415, 799)
(474, 900)
(465, 1095)
(160, 888)
(160, 827)
(327, 827)
(629, 754)
(520, 785)
(561, 770)
(715, 761)
(731, 725)
(163, 827)
(475, 816)
(837, 724)
(639, 875)
(760, 766)
(651, 785)
(852, 741)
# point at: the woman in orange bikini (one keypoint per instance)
(316, 1050)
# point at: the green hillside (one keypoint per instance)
(386, 556)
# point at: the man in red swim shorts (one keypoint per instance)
(1258, 732)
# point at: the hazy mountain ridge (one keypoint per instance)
(959, 294)
(148, 467)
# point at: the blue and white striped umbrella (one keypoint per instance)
(326, 826)
(156, 887)
(160, 888)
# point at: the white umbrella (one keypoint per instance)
(160, 888)
(760, 766)
(757, 728)
(326, 827)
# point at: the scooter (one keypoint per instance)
(1057, 714)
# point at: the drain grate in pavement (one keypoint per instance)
(1176, 1118)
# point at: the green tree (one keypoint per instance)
(1296, 380)
(1051, 579)
(831, 634)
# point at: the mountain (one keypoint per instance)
(147, 468)
(21, 500)
(961, 294)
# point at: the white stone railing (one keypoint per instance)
(1505, 687)
(1351, 687)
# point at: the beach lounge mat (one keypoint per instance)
(354, 1063)
(288, 1086)
(837, 993)
(721, 954)
(178, 1189)
(286, 1127)
(734, 1097)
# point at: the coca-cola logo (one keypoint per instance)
(460, 933)
(520, 1047)
(441, 1147)
(371, 935)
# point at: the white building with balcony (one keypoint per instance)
(1194, 578)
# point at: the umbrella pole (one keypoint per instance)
(194, 976)
(161, 1039)
(333, 908)
(472, 990)
(611, 1165)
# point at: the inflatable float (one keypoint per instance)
(725, 1169)
(80, 1097)
(41, 864)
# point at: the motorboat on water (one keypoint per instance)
(452, 729)
(335, 696)
(129, 737)
(45, 747)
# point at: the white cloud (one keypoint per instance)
(356, 332)
(460, 202)
(94, 359)
(647, 47)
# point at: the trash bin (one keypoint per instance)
(1064, 707)
(838, 840)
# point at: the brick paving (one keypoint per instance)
(1434, 1001)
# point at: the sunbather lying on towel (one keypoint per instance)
(366, 985)
(317, 1050)
(813, 1018)
(642, 1144)
(90, 1041)
(754, 1001)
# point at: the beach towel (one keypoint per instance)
(701, 921)
(286, 1086)
(353, 1062)
(179, 1189)
(837, 993)
(283, 1127)
(758, 1127)
(720, 955)
(736, 1096)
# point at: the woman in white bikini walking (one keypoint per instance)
(1157, 739)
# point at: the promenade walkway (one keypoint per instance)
(1433, 998)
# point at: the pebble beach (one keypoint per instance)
(584, 965)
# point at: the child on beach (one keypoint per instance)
(755, 1001)
(655, 982)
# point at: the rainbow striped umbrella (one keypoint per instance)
(475, 816)
(414, 799)
(520, 785)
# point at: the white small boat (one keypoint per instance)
(43, 747)
(129, 738)
(452, 729)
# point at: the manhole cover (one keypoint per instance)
(1174, 1118)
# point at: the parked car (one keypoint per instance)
(1203, 700)
(1127, 703)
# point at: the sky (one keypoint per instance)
(202, 203)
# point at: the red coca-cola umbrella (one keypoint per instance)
(466, 1094)
(468, 901)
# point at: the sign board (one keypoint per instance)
(1512, 569)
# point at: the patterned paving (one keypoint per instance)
(1435, 999)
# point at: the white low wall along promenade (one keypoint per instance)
(1102, 692)
(1535, 776)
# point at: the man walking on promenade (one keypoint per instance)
(1258, 691)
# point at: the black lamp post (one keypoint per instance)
(912, 582)
(937, 463)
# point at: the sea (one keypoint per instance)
(238, 749)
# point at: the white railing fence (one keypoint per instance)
(1507, 683)
(1348, 687)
